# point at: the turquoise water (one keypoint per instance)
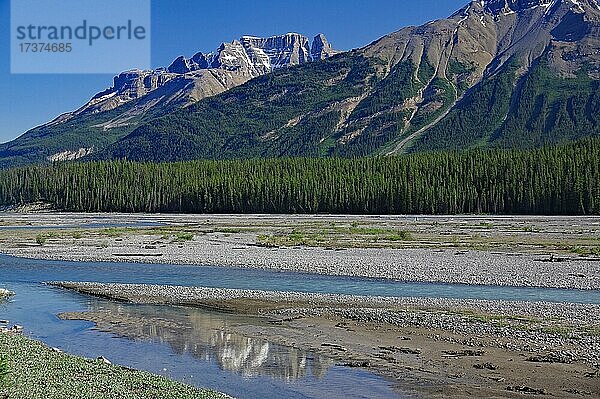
(206, 351)
(25, 270)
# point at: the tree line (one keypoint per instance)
(562, 179)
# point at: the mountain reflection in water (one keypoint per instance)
(208, 336)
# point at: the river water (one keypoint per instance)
(200, 347)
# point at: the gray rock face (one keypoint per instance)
(506, 6)
(188, 80)
(183, 65)
(277, 51)
(321, 48)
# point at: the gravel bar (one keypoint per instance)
(180, 295)
(413, 265)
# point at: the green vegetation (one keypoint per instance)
(444, 94)
(504, 111)
(184, 236)
(550, 180)
(426, 71)
(256, 119)
(473, 120)
(337, 237)
(380, 118)
(459, 72)
(585, 250)
(548, 109)
(41, 238)
(4, 370)
(593, 331)
(39, 373)
(80, 132)
(112, 232)
(399, 236)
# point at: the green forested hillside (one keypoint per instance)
(254, 119)
(505, 112)
(482, 78)
(550, 180)
(298, 112)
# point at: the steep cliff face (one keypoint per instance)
(232, 64)
(470, 48)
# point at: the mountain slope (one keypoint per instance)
(496, 73)
(138, 96)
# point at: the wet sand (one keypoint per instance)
(429, 348)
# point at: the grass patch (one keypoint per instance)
(41, 239)
(184, 236)
(581, 250)
(400, 236)
(592, 331)
(229, 230)
(38, 373)
(4, 370)
(557, 330)
(336, 237)
(114, 231)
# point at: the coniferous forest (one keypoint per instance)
(561, 179)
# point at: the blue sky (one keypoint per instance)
(183, 27)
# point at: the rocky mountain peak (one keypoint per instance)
(233, 63)
(277, 51)
(498, 7)
(507, 6)
(321, 48)
(257, 55)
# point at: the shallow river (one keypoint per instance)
(200, 347)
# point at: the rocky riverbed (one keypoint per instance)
(507, 251)
(435, 347)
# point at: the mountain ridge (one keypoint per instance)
(141, 94)
(239, 61)
(497, 73)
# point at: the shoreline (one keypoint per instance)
(433, 348)
(231, 300)
(479, 268)
(497, 251)
(37, 371)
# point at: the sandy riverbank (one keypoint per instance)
(430, 347)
